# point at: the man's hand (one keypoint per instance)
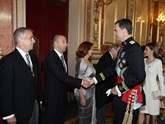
(87, 82)
(12, 120)
(114, 91)
(108, 92)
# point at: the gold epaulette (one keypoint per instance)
(132, 42)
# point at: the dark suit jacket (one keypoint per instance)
(101, 98)
(57, 80)
(131, 62)
(18, 88)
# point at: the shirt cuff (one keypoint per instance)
(95, 80)
(7, 117)
(118, 91)
(82, 82)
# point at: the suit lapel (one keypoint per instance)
(59, 60)
(35, 66)
(21, 60)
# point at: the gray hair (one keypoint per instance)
(113, 46)
(20, 32)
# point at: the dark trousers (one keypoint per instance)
(54, 114)
(101, 115)
(35, 116)
(119, 111)
(25, 120)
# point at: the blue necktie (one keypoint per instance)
(28, 60)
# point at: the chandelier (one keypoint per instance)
(161, 18)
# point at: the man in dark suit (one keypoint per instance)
(101, 98)
(19, 81)
(55, 92)
(128, 93)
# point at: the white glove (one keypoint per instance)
(108, 92)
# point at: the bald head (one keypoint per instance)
(60, 43)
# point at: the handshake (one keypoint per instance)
(87, 82)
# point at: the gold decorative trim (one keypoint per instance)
(122, 77)
(109, 2)
(132, 6)
(96, 24)
(121, 72)
(124, 86)
(98, 6)
(104, 2)
(162, 4)
(102, 76)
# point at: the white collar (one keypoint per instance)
(58, 53)
(21, 52)
(111, 55)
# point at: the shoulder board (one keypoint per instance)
(132, 42)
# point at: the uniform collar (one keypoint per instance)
(127, 41)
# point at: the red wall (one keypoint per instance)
(46, 19)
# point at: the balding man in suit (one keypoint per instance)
(55, 92)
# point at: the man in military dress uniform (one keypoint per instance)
(129, 66)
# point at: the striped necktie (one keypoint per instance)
(28, 60)
(29, 63)
(64, 63)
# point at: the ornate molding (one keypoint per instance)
(19, 13)
(162, 4)
(96, 26)
(132, 6)
(98, 6)
(104, 2)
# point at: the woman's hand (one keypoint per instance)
(83, 101)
